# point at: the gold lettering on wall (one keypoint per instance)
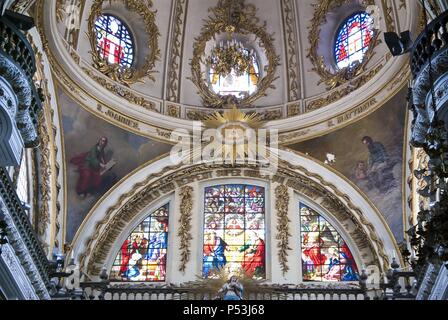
(118, 117)
(357, 111)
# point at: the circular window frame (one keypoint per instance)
(259, 66)
(326, 67)
(131, 34)
(133, 74)
(343, 24)
(243, 22)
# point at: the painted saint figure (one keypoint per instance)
(91, 166)
(378, 165)
(157, 246)
(214, 254)
(349, 271)
(311, 249)
(254, 257)
(127, 250)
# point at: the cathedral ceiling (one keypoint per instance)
(301, 97)
(316, 113)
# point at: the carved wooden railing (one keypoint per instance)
(430, 43)
(105, 291)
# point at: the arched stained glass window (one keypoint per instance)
(325, 255)
(142, 256)
(353, 40)
(113, 41)
(237, 76)
(234, 230)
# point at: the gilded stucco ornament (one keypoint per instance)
(332, 78)
(283, 234)
(184, 232)
(233, 17)
(127, 76)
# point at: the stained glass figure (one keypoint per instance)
(113, 41)
(235, 84)
(142, 256)
(234, 230)
(325, 255)
(353, 40)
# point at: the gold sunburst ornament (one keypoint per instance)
(237, 132)
(233, 117)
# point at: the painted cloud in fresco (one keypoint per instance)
(97, 156)
(374, 164)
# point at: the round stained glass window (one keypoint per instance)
(353, 40)
(113, 41)
(233, 70)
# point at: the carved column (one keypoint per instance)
(429, 64)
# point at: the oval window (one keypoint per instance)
(353, 40)
(114, 41)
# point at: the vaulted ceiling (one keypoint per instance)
(306, 97)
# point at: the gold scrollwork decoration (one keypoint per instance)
(242, 20)
(127, 76)
(283, 234)
(331, 78)
(184, 233)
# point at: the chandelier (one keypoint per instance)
(230, 57)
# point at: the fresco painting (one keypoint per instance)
(97, 156)
(370, 153)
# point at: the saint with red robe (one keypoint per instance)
(312, 250)
(89, 165)
(254, 258)
(127, 250)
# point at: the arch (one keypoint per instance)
(165, 201)
(110, 218)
